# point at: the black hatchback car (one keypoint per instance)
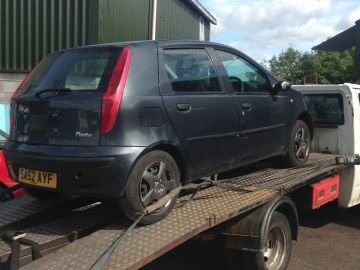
(135, 120)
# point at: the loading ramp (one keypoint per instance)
(80, 230)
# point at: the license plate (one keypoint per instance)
(38, 178)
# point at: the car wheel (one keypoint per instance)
(299, 145)
(39, 193)
(154, 175)
(277, 249)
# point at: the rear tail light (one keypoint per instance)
(111, 101)
(21, 87)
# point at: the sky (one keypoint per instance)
(263, 28)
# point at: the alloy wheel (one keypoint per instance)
(156, 182)
(301, 144)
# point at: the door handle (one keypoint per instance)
(246, 106)
(183, 107)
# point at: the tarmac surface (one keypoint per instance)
(329, 239)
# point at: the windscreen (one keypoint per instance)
(84, 69)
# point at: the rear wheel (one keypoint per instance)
(277, 249)
(299, 145)
(154, 175)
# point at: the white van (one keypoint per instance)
(337, 130)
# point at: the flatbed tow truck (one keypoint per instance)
(82, 233)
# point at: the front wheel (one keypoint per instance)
(154, 175)
(299, 145)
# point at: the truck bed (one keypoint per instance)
(92, 227)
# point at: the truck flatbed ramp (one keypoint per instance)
(210, 207)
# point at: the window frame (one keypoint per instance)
(329, 125)
(165, 84)
(251, 63)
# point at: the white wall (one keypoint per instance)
(8, 84)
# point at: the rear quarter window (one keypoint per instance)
(329, 108)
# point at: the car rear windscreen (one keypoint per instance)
(329, 108)
(84, 69)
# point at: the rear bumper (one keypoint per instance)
(94, 171)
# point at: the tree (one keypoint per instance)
(287, 66)
(313, 67)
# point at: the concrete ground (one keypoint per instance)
(329, 239)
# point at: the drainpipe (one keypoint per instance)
(153, 19)
(357, 51)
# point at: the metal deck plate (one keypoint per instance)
(211, 207)
(62, 230)
(16, 210)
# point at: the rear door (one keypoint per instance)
(263, 113)
(60, 104)
(202, 113)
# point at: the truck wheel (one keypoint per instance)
(154, 175)
(277, 249)
(299, 145)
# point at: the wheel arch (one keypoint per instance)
(176, 153)
(287, 207)
(304, 116)
(249, 232)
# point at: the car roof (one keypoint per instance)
(161, 43)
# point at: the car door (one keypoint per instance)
(203, 115)
(263, 113)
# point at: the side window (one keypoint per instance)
(244, 76)
(190, 70)
(329, 108)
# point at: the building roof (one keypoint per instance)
(341, 42)
(199, 7)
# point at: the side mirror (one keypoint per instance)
(281, 86)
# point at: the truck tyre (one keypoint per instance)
(299, 145)
(276, 252)
(154, 175)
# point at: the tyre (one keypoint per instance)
(277, 249)
(39, 193)
(299, 145)
(154, 175)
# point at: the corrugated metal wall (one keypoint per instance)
(123, 20)
(176, 20)
(30, 29)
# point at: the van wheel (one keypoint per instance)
(154, 175)
(39, 193)
(299, 145)
(276, 252)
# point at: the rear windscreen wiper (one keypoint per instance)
(54, 90)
